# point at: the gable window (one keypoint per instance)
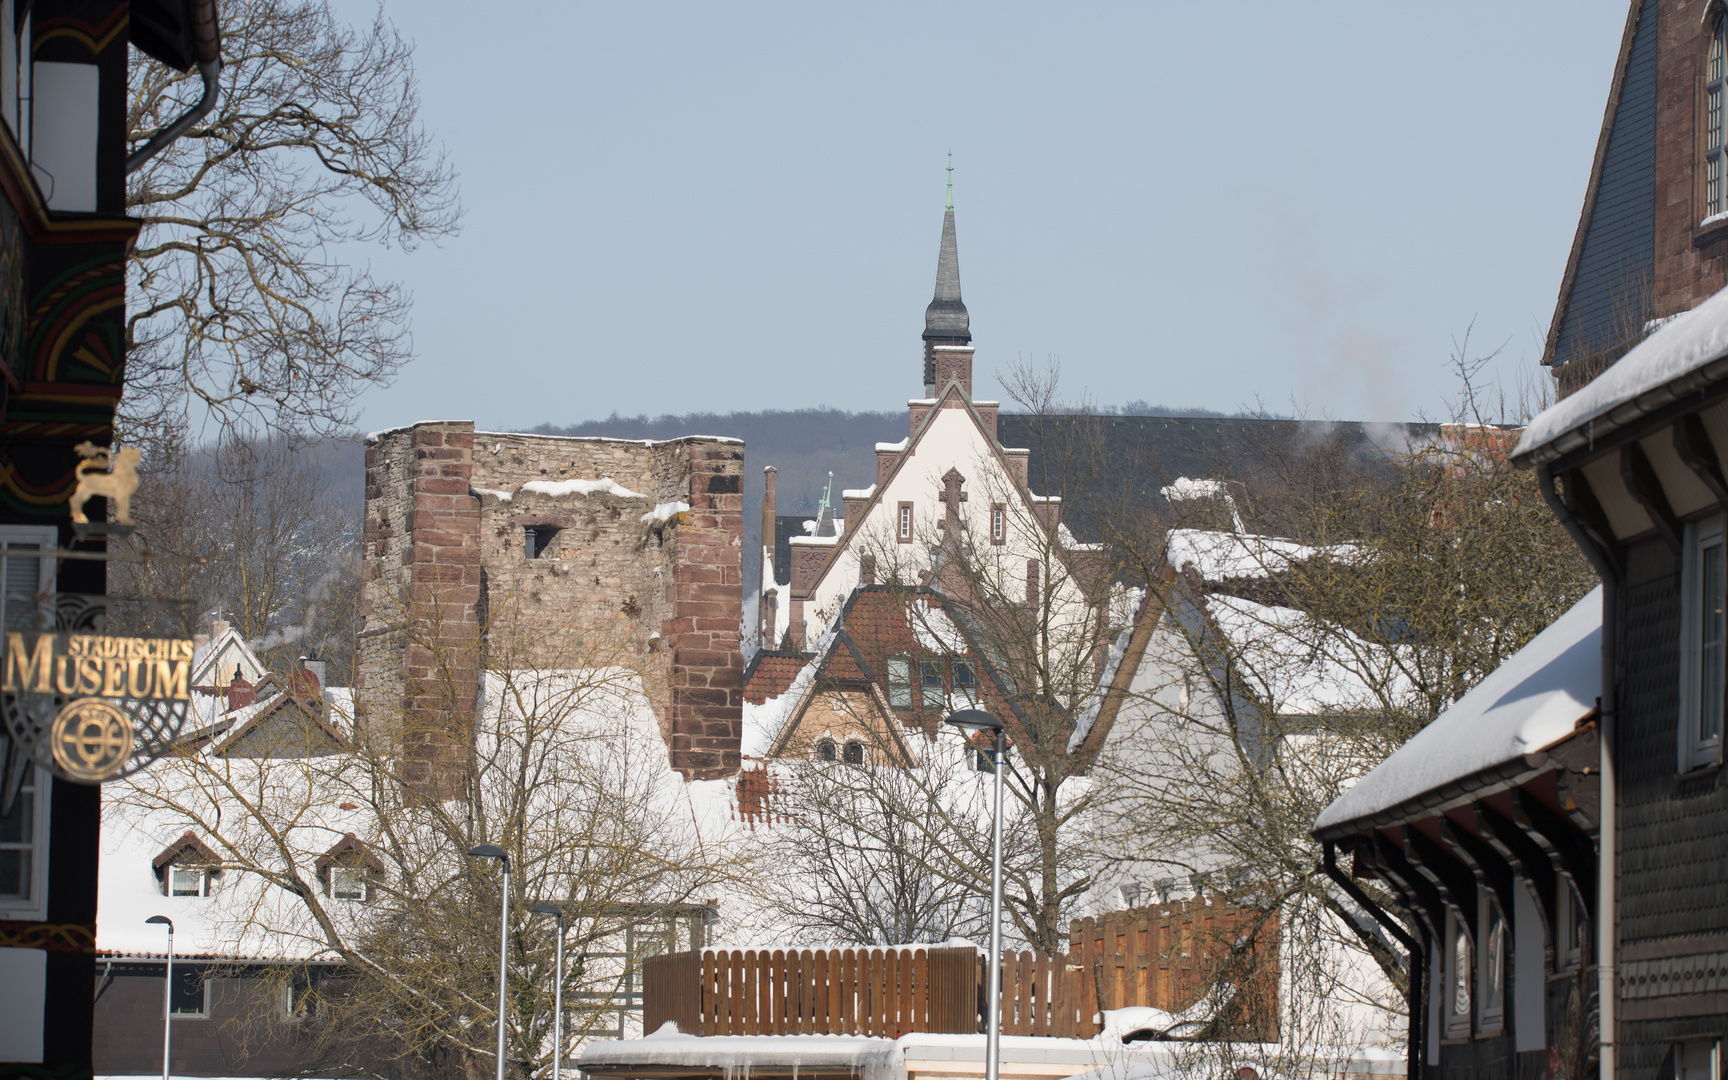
(854, 752)
(933, 691)
(1704, 575)
(1714, 90)
(899, 682)
(347, 883)
(966, 681)
(904, 530)
(188, 881)
(998, 524)
(24, 850)
(825, 749)
(537, 539)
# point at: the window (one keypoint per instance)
(1698, 1059)
(24, 850)
(1458, 995)
(1713, 119)
(899, 682)
(933, 692)
(191, 992)
(1491, 925)
(998, 524)
(1704, 573)
(1570, 926)
(825, 749)
(537, 539)
(188, 881)
(904, 531)
(854, 752)
(26, 577)
(347, 883)
(966, 681)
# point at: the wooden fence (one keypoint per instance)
(1167, 957)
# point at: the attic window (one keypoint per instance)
(934, 692)
(537, 539)
(1715, 89)
(899, 682)
(998, 524)
(904, 529)
(347, 883)
(188, 881)
(966, 681)
(854, 752)
(825, 750)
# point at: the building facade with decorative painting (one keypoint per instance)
(64, 236)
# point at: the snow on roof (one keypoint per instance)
(613, 439)
(818, 541)
(1533, 700)
(1686, 354)
(858, 493)
(1303, 670)
(865, 1056)
(937, 633)
(1219, 555)
(666, 511)
(895, 447)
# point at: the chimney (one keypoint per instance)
(218, 627)
(765, 603)
(240, 693)
(310, 679)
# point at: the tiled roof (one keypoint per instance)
(770, 673)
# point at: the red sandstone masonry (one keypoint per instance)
(1684, 273)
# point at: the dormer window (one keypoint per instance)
(348, 869)
(1715, 89)
(187, 867)
(188, 881)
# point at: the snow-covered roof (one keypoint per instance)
(1298, 666)
(1220, 555)
(866, 1056)
(1686, 354)
(1533, 700)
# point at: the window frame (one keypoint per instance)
(1455, 1024)
(1713, 122)
(1698, 1058)
(1704, 548)
(175, 869)
(197, 971)
(1491, 1017)
(827, 749)
(903, 523)
(970, 692)
(45, 537)
(900, 696)
(998, 523)
(932, 696)
(34, 906)
(359, 875)
(854, 753)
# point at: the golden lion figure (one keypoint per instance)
(106, 473)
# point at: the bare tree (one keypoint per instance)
(243, 304)
(564, 768)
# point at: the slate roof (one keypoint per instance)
(946, 318)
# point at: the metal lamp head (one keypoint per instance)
(160, 920)
(549, 909)
(974, 720)
(489, 851)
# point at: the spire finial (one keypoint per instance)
(950, 180)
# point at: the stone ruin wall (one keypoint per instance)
(616, 584)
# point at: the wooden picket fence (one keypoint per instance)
(1167, 956)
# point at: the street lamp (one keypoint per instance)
(970, 721)
(557, 988)
(167, 987)
(493, 851)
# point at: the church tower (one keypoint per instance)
(945, 320)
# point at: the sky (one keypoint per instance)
(715, 207)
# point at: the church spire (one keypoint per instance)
(945, 320)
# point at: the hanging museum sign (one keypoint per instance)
(91, 707)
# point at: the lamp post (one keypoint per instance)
(493, 851)
(557, 988)
(972, 720)
(167, 987)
